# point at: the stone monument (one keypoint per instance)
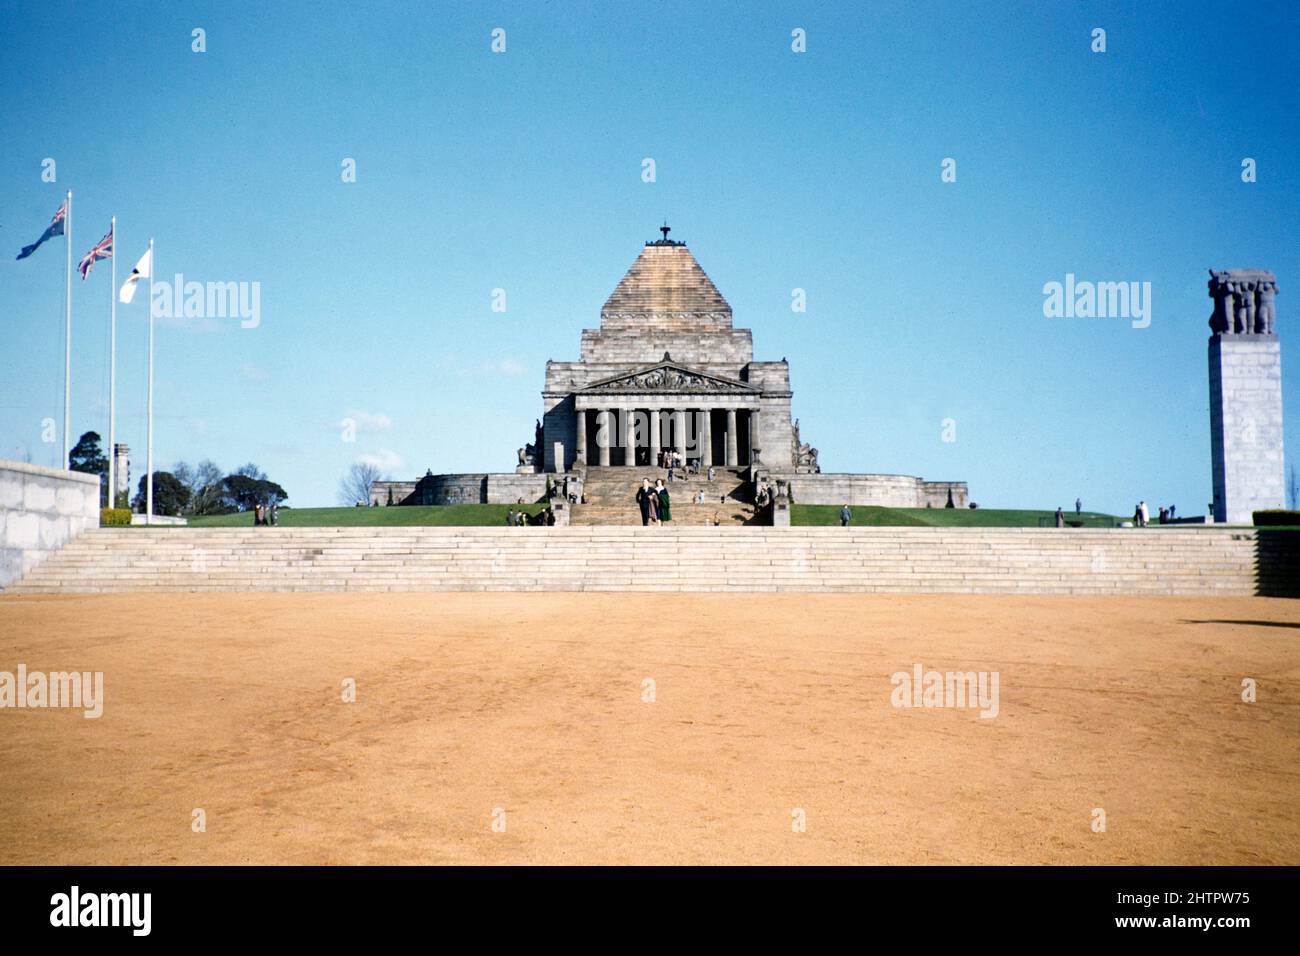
(1245, 395)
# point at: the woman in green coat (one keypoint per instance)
(665, 515)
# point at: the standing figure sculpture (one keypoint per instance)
(1264, 314)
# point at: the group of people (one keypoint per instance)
(676, 462)
(654, 502)
(1142, 517)
(264, 515)
(521, 518)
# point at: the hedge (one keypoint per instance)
(1276, 516)
(114, 516)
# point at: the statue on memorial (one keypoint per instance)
(804, 454)
(1264, 315)
(530, 456)
(1242, 295)
(1243, 302)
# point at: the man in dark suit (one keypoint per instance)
(643, 500)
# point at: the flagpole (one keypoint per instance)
(67, 342)
(148, 493)
(112, 374)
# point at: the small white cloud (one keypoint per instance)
(511, 367)
(385, 460)
(252, 373)
(367, 421)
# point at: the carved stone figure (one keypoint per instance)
(1243, 302)
(804, 454)
(1264, 315)
(667, 379)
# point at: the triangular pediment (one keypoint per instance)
(669, 377)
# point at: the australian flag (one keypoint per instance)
(55, 229)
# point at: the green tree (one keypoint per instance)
(88, 458)
(244, 493)
(170, 496)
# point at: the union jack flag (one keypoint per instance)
(102, 250)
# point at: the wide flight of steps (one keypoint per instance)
(1050, 561)
(611, 498)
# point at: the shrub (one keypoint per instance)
(1276, 516)
(109, 517)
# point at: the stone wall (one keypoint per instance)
(935, 494)
(477, 489)
(41, 510)
(886, 491)
(507, 489)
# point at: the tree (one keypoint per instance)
(358, 483)
(204, 480)
(250, 471)
(88, 458)
(170, 496)
(243, 493)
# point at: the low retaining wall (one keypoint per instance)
(41, 510)
(504, 488)
(886, 491)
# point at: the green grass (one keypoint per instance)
(872, 516)
(443, 515)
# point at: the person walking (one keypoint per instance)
(258, 514)
(1078, 506)
(510, 518)
(274, 517)
(643, 495)
(665, 511)
(845, 516)
(1060, 518)
(1142, 510)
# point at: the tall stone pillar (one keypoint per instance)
(580, 423)
(679, 431)
(604, 438)
(706, 439)
(629, 436)
(755, 442)
(655, 445)
(1245, 396)
(733, 456)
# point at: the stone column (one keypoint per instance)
(733, 455)
(655, 446)
(679, 428)
(755, 442)
(1246, 453)
(581, 424)
(706, 439)
(628, 442)
(603, 432)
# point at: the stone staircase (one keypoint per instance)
(611, 501)
(1226, 561)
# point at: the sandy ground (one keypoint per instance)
(764, 705)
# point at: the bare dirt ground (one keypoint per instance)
(764, 705)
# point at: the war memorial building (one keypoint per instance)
(667, 370)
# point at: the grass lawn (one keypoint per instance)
(488, 515)
(872, 516)
(458, 515)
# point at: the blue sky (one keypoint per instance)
(522, 171)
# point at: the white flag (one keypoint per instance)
(141, 271)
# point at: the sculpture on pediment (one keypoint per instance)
(667, 378)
